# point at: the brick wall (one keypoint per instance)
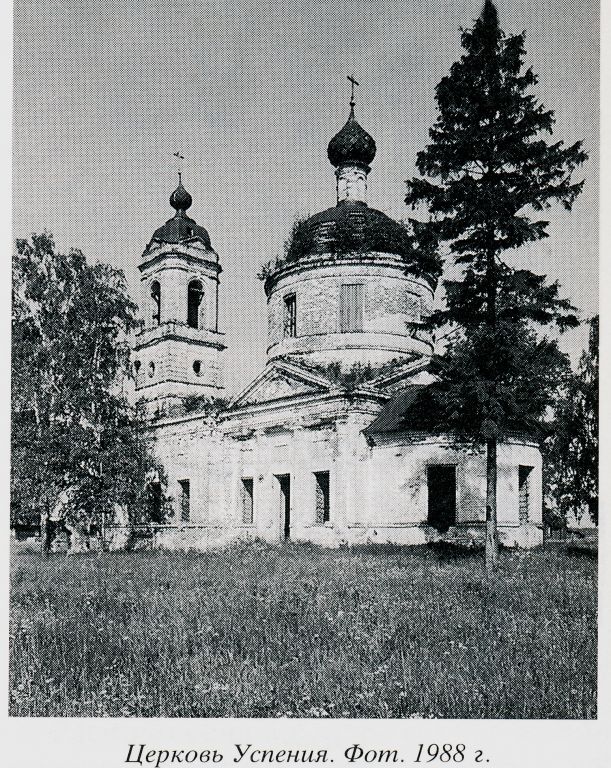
(392, 303)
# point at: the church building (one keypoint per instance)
(325, 445)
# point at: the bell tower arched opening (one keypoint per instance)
(195, 295)
(156, 302)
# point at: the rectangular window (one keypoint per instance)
(248, 507)
(155, 502)
(290, 315)
(351, 308)
(524, 493)
(441, 484)
(185, 500)
(323, 503)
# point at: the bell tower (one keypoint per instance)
(178, 348)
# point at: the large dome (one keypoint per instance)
(351, 226)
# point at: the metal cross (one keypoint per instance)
(353, 82)
(180, 159)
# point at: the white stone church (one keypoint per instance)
(313, 449)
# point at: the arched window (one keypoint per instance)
(195, 294)
(156, 303)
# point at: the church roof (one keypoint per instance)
(416, 408)
(401, 412)
(180, 227)
(352, 144)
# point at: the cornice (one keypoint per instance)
(322, 260)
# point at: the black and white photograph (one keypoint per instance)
(305, 367)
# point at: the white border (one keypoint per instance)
(80, 743)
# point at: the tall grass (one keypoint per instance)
(258, 631)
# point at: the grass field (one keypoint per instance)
(258, 631)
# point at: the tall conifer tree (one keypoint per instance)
(495, 171)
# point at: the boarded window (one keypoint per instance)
(185, 500)
(290, 315)
(155, 502)
(195, 294)
(524, 474)
(156, 302)
(248, 507)
(323, 503)
(351, 308)
(441, 484)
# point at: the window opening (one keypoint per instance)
(351, 308)
(284, 484)
(247, 501)
(290, 315)
(441, 485)
(195, 294)
(156, 296)
(155, 502)
(323, 505)
(185, 500)
(524, 474)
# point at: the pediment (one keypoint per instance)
(280, 382)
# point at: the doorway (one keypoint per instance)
(284, 483)
(441, 482)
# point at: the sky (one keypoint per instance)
(250, 92)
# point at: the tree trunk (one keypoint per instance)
(492, 538)
(45, 534)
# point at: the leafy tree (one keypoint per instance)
(571, 451)
(77, 446)
(495, 173)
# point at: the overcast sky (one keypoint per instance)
(251, 92)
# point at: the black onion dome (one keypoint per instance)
(351, 144)
(349, 227)
(180, 227)
(180, 198)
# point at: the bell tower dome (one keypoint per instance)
(178, 348)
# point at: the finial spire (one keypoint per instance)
(353, 82)
(180, 158)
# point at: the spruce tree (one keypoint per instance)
(485, 177)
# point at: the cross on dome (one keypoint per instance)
(353, 82)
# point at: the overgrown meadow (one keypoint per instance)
(295, 631)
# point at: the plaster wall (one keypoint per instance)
(398, 490)
(189, 450)
(378, 493)
(173, 359)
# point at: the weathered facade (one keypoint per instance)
(323, 446)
